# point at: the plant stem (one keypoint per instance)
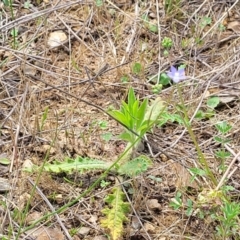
(191, 133)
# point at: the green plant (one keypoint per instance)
(156, 179)
(169, 117)
(99, 3)
(160, 82)
(178, 75)
(124, 79)
(156, 89)
(176, 203)
(149, 24)
(138, 118)
(137, 68)
(228, 220)
(115, 213)
(73, 231)
(44, 118)
(217, 201)
(221, 27)
(171, 5)
(14, 34)
(27, 4)
(104, 183)
(6, 2)
(222, 154)
(103, 124)
(167, 42)
(205, 21)
(106, 136)
(212, 103)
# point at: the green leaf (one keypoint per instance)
(135, 109)
(120, 117)
(213, 102)
(78, 164)
(124, 79)
(6, 2)
(5, 161)
(221, 140)
(200, 115)
(223, 127)
(167, 43)
(106, 136)
(164, 79)
(189, 207)
(126, 136)
(205, 21)
(131, 98)
(137, 68)
(198, 172)
(44, 118)
(141, 113)
(136, 166)
(99, 3)
(115, 215)
(155, 109)
(222, 154)
(176, 202)
(14, 32)
(145, 17)
(103, 124)
(27, 4)
(156, 179)
(153, 27)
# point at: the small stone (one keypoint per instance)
(56, 39)
(153, 204)
(84, 230)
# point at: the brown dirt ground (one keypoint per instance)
(35, 76)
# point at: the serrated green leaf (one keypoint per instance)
(136, 166)
(115, 214)
(221, 140)
(222, 154)
(223, 127)
(78, 164)
(212, 102)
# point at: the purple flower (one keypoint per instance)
(176, 74)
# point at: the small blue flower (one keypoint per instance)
(176, 74)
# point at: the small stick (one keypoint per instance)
(51, 207)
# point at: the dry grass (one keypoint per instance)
(78, 81)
